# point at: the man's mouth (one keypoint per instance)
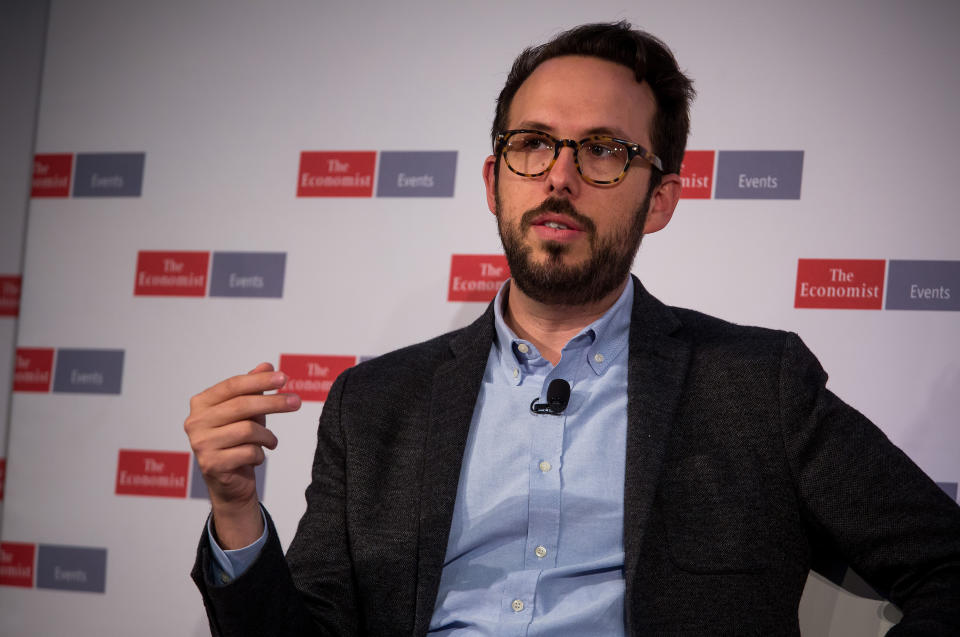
(556, 228)
(557, 221)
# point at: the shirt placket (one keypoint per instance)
(517, 603)
(546, 461)
(546, 458)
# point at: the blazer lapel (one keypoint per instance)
(456, 384)
(656, 374)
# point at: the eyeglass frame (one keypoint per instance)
(633, 150)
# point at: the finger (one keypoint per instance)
(253, 383)
(262, 367)
(239, 408)
(228, 461)
(234, 435)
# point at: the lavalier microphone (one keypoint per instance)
(558, 395)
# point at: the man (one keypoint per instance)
(683, 487)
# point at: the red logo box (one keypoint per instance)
(16, 564)
(476, 277)
(153, 473)
(171, 273)
(696, 172)
(336, 174)
(51, 175)
(846, 284)
(10, 295)
(310, 376)
(33, 369)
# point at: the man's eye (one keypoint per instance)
(601, 151)
(535, 143)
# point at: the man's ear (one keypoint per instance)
(489, 180)
(663, 203)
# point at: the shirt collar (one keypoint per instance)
(607, 337)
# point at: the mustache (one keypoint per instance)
(560, 206)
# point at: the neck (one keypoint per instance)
(550, 327)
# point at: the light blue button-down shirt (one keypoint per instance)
(536, 544)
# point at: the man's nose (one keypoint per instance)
(563, 176)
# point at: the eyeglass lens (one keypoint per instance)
(532, 153)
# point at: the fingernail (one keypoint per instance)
(293, 400)
(279, 379)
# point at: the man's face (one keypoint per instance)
(567, 241)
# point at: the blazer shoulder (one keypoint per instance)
(709, 335)
(704, 327)
(725, 349)
(652, 320)
(414, 366)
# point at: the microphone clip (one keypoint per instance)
(558, 395)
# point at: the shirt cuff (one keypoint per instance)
(231, 564)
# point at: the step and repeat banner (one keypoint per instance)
(23, 24)
(216, 184)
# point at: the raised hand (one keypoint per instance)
(227, 431)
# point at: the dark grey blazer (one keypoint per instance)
(742, 469)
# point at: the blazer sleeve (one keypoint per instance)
(311, 591)
(894, 526)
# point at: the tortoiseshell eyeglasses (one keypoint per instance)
(600, 159)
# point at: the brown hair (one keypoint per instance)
(648, 58)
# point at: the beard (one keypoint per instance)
(554, 282)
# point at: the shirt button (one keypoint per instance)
(545, 466)
(541, 552)
(224, 578)
(517, 606)
(523, 348)
(598, 357)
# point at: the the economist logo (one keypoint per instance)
(16, 564)
(171, 273)
(153, 473)
(33, 370)
(51, 175)
(848, 284)
(476, 277)
(10, 295)
(336, 173)
(696, 173)
(310, 376)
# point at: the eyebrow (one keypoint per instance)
(604, 130)
(597, 130)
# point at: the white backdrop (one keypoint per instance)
(223, 97)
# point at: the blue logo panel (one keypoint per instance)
(950, 488)
(72, 568)
(759, 174)
(923, 285)
(417, 173)
(88, 371)
(108, 174)
(248, 274)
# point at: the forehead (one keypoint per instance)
(577, 95)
